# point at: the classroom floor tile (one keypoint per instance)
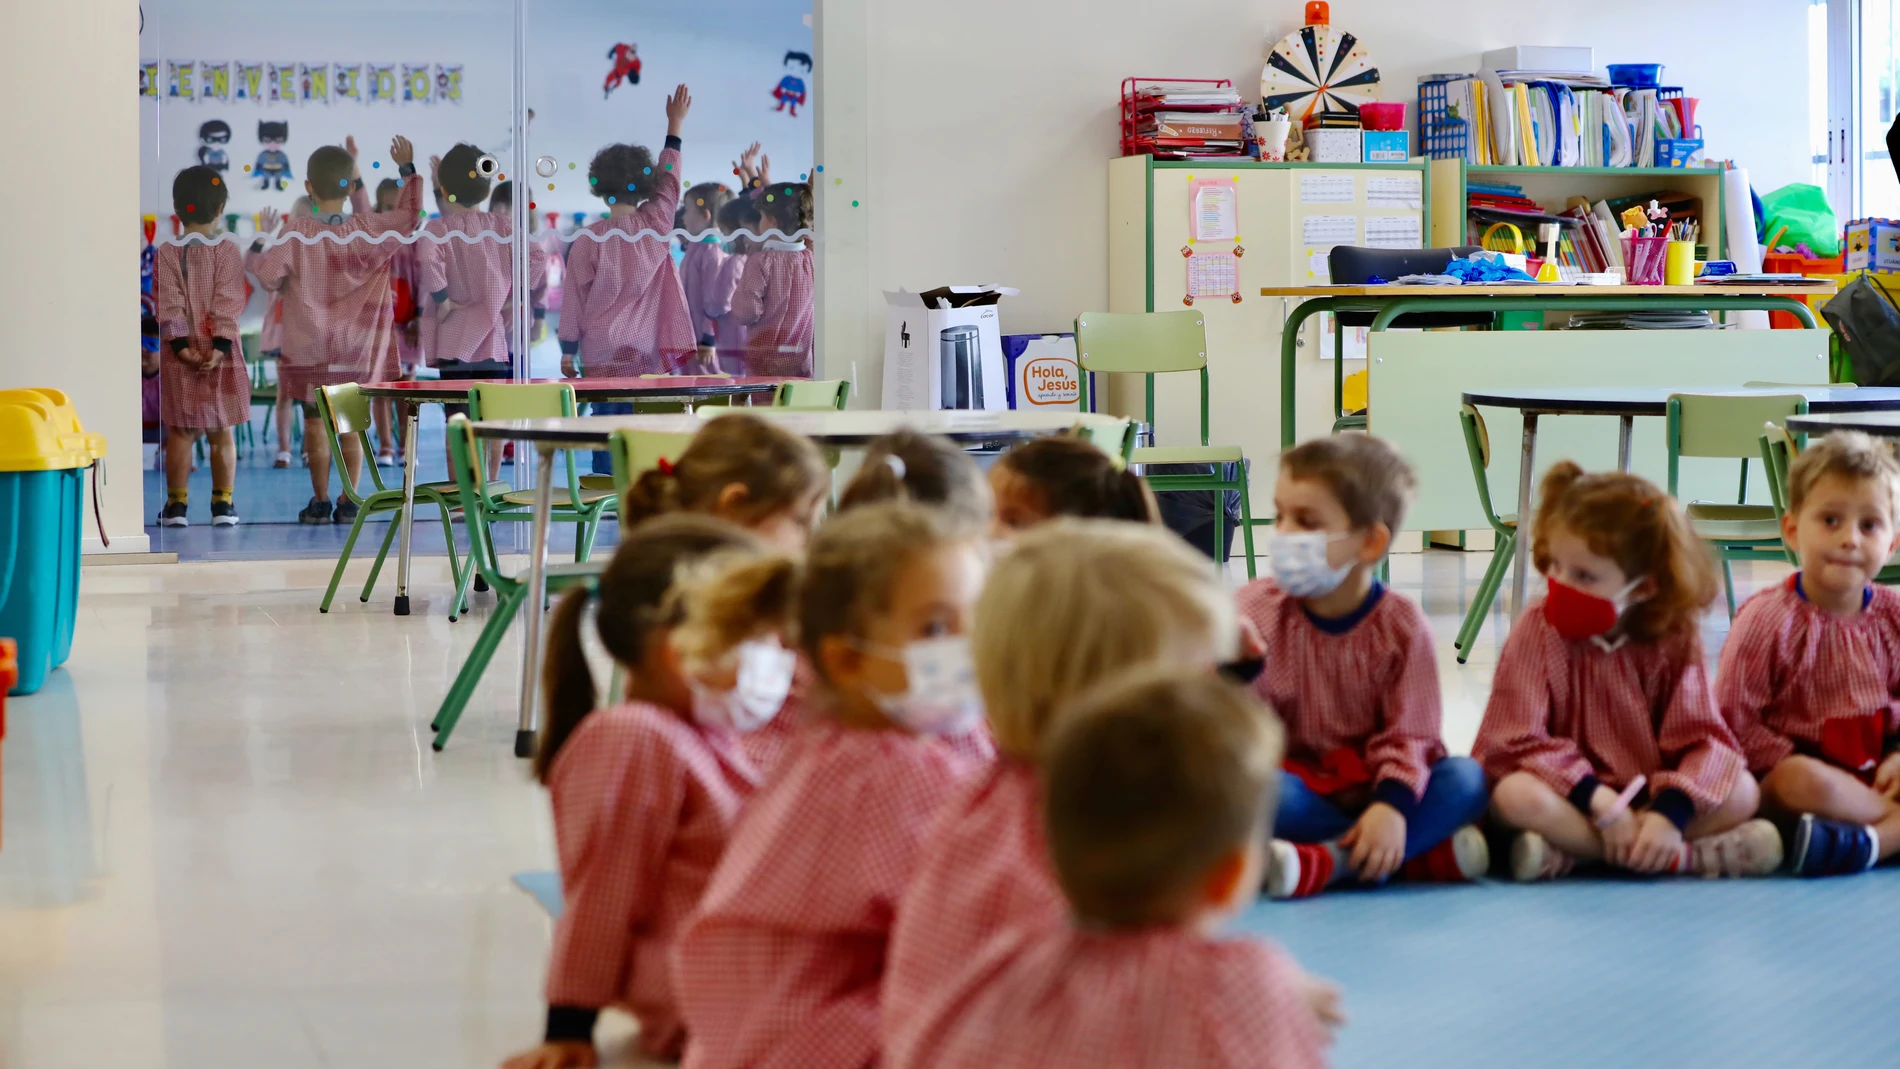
(227, 843)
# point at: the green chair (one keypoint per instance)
(815, 395)
(1729, 427)
(1117, 439)
(510, 590)
(573, 503)
(345, 411)
(643, 407)
(1478, 448)
(1778, 450)
(637, 452)
(1152, 343)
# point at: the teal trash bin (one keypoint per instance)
(44, 455)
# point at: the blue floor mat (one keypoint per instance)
(1607, 972)
(543, 887)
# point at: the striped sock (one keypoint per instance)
(221, 496)
(178, 496)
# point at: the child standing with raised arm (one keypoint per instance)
(1350, 668)
(465, 267)
(1602, 731)
(1810, 677)
(775, 298)
(199, 291)
(623, 312)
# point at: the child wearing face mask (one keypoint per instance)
(1602, 732)
(645, 793)
(782, 963)
(1350, 668)
(1158, 793)
(1047, 629)
(1811, 671)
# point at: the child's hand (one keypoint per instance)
(1322, 996)
(1377, 842)
(746, 166)
(556, 1054)
(349, 145)
(268, 220)
(1619, 838)
(568, 368)
(210, 361)
(677, 106)
(765, 171)
(1253, 645)
(1887, 776)
(1658, 844)
(402, 151)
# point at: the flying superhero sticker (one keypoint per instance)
(626, 59)
(790, 91)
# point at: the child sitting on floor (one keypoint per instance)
(1158, 791)
(1811, 671)
(741, 468)
(1350, 668)
(645, 793)
(1047, 628)
(927, 469)
(1602, 732)
(1066, 475)
(782, 963)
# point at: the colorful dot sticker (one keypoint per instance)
(570, 165)
(821, 168)
(803, 177)
(451, 198)
(247, 168)
(854, 204)
(375, 163)
(344, 182)
(700, 201)
(550, 187)
(610, 200)
(837, 181)
(532, 205)
(768, 198)
(669, 166)
(214, 179)
(592, 181)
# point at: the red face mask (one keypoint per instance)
(1579, 615)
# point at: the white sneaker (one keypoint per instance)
(1534, 859)
(283, 460)
(1752, 849)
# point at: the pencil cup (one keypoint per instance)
(1273, 135)
(1679, 268)
(1645, 258)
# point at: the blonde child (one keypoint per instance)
(924, 468)
(644, 793)
(781, 964)
(1065, 475)
(198, 290)
(1047, 628)
(740, 468)
(338, 322)
(623, 312)
(775, 297)
(1349, 665)
(1602, 733)
(1158, 790)
(1811, 671)
(705, 258)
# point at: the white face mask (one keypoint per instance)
(940, 696)
(764, 681)
(1299, 563)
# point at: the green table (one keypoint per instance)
(1388, 302)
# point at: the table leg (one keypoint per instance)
(1521, 578)
(408, 518)
(1625, 424)
(534, 605)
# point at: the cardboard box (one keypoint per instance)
(1563, 58)
(914, 326)
(1044, 374)
(1873, 245)
(1334, 146)
(1387, 146)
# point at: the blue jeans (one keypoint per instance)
(603, 460)
(1456, 795)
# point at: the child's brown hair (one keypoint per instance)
(198, 194)
(739, 213)
(1629, 520)
(1148, 783)
(778, 469)
(1076, 600)
(1075, 478)
(634, 595)
(928, 469)
(1847, 455)
(786, 207)
(624, 174)
(1368, 477)
(461, 178)
(844, 582)
(329, 172)
(707, 197)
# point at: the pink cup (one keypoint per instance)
(1644, 259)
(1382, 116)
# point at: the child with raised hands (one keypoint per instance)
(1047, 629)
(1158, 792)
(775, 298)
(1602, 733)
(1350, 668)
(1065, 475)
(1811, 672)
(645, 793)
(783, 962)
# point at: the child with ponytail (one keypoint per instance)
(1063, 475)
(926, 469)
(740, 468)
(645, 793)
(1602, 734)
(782, 963)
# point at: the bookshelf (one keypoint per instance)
(1551, 187)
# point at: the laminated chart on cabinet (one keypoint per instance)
(1358, 207)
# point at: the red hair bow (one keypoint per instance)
(665, 466)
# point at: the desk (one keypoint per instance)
(409, 394)
(1877, 404)
(1388, 302)
(550, 436)
(1881, 423)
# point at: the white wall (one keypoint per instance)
(68, 318)
(979, 148)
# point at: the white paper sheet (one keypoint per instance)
(1215, 217)
(1318, 265)
(1325, 231)
(1212, 274)
(1394, 232)
(1393, 191)
(1332, 188)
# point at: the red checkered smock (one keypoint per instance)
(198, 288)
(774, 303)
(622, 301)
(478, 274)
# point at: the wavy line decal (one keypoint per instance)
(466, 238)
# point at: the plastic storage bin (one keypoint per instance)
(44, 454)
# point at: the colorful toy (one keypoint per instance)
(1318, 68)
(626, 59)
(790, 91)
(212, 137)
(273, 165)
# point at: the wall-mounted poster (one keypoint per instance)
(283, 83)
(448, 82)
(247, 82)
(148, 77)
(380, 83)
(313, 83)
(346, 81)
(180, 80)
(214, 80)
(416, 84)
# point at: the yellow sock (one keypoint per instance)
(220, 496)
(180, 496)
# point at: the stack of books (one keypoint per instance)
(1183, 120)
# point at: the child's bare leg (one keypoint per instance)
(385, 425)
(283, 424)
(1525, 802)
(223, 450)
(353, 458)
(316, 446)
(1806, 785)
(1740, 805)
(178, 442)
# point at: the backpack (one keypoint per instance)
(1869, 329)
